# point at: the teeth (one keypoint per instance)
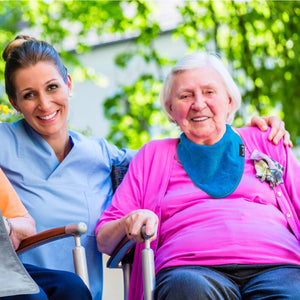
(49, 117)
(200, 119)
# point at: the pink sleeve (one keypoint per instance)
(128, 195)
(292, 178)
(256, 139)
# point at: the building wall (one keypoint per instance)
(86, 107)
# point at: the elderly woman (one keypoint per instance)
(224, 204)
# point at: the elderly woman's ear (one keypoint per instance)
(170, 112)
(230, 105)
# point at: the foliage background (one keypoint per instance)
(258, 39)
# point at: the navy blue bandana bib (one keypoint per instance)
(216, 169)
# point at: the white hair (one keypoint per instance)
(198, 60)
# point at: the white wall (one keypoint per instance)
(86, 108)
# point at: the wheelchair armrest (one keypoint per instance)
(51, 235)
(121, 253)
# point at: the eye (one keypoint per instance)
(52, 87)
(28, 95)
(185, 96)
(209, 92)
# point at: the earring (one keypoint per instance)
(70, 94)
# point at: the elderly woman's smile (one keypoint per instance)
(199, 119)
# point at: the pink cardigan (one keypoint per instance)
(146, 182)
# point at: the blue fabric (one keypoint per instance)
(55, 285)
(216, 169)
(236, 283)
(78, 189)
(194, 283)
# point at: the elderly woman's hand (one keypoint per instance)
(135, 221)
(277, 129)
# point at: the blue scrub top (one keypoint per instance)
(57, 194)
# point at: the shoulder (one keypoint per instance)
(156, 145)
(255, 139)
(101, 149)
(78, 136)
(94, 149)
(13, 134)
(253, 135)
(12, 128)
(88, 142)
(10, 204)
(156, 151)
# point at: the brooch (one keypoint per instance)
(267, 169)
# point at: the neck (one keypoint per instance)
(208, 140)
(61, 155)
(61, 145)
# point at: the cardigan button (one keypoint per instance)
(288, 215)
(279, 194)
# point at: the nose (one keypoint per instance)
(199, 101)
(44, 102)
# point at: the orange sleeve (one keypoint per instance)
(10, 203)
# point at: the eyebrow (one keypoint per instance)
(53, 79)
(47, 82)
(25, 90)
(189, 89)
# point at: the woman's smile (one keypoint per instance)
(49, 117)
(199, 119)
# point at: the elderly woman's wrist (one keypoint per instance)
(8, 221)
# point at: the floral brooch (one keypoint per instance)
(267, 169)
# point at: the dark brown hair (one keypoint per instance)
(25, 51)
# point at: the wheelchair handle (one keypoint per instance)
(144, 235)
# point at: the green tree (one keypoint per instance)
(259, 40)
(62, 23)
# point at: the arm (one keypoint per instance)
(20, 228)
(119, 156)
(111, 233)
(291, 178)
(134, 203)
(19, 224)
(277, 129)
